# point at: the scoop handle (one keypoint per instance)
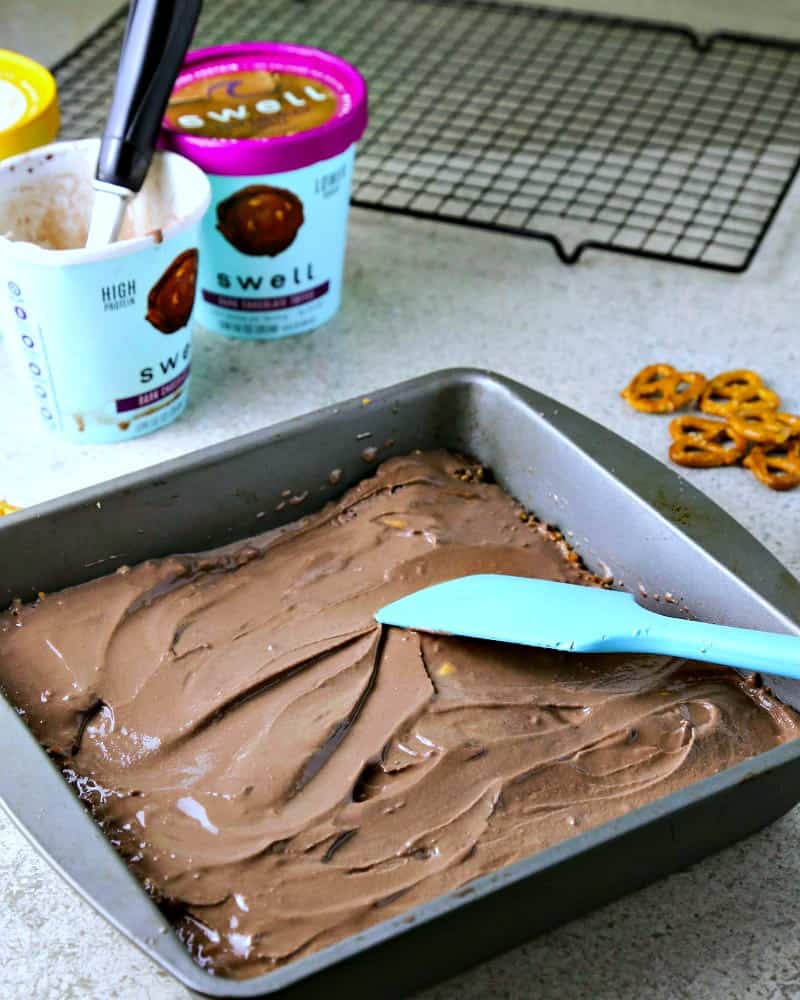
(157, 36)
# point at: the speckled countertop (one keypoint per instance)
(421, 296)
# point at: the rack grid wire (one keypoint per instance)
(587, 131)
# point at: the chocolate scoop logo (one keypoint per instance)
(260, 221)
(170, 300)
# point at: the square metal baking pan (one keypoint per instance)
(619, 508)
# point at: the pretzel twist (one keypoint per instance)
(738, 391)
(701, 443)
(663, 389)
(776, 465)
(765, 426)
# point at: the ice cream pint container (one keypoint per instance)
(101, 338)
(274, 126)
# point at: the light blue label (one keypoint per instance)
(272, 251)
(104, 346)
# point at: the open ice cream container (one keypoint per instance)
(102, 337)
(274, 126)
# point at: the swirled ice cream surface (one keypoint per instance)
(280, 772)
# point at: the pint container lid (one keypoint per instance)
(264, 107)
(28, 104)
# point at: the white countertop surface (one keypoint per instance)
(422, 296)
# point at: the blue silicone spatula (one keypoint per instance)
(577, 619)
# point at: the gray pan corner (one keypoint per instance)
(620, 508)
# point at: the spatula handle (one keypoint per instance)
(770, 652)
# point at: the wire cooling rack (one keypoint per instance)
(585, 131)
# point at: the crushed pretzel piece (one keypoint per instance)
(776, 465)
(7, 508)
(701, 443)
(662, 389)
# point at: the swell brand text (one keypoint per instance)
(165, 365)
(297, 276)
(264, 107)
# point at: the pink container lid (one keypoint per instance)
(277, 153)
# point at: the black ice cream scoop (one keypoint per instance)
(157, 36)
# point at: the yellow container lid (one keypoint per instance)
(28, 104)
